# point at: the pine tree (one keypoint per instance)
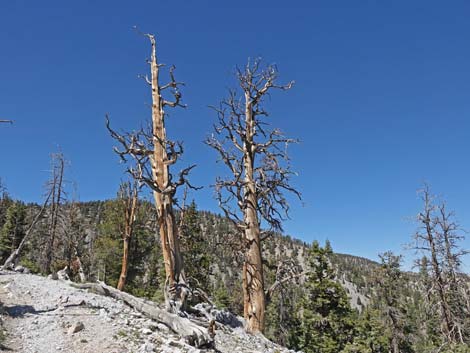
(221, 296)
(145, 276)
(438, 238)
(107, 246)
(370, 335)
(13, 229)
(155, 156)
(5, 203)
(389, 296)
(281, 314)
(326, 321)
(260, 175)
(194, 247)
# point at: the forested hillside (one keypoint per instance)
(89, 234)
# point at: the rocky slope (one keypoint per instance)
(41, 315)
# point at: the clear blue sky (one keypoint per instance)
(381, 101)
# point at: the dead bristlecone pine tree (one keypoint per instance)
(259, 175)
(154, 155)
(438, 238)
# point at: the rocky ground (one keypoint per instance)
(42, 315)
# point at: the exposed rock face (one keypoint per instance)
(42, 315)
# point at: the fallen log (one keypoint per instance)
(193, 334)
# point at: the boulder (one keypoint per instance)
(77, 327)
(19, 268)
(63, 275)
(53, 276)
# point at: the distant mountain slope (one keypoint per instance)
(355, 273)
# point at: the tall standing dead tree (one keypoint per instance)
(128, 196)
(259, 176)
(438, 238)
(56, 187)
(154, 154)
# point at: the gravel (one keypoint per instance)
(43, 315)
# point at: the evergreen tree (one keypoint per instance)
(5, 203)
(326, 321)
(13, 229)
(370, 335)
(389, 296)
(221, 296)
(195, 250)
(145, 265)
(281, 314)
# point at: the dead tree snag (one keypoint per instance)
(154, 154)
(260, 174)
(128, 194)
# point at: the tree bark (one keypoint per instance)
(257, 186)
(154, 155)
(254, 301)
(125, 264)
(445, 311)
(164, 200)
(130, 200)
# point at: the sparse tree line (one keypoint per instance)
(174, 254)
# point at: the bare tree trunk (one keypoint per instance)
(56, 186)
(254, 301)
(161, 175)
(440, 285)
(260, 174)
(450, 238)
(395, 330)
(154, 154)
(434, 243)
(125, 264)
(130, 199)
